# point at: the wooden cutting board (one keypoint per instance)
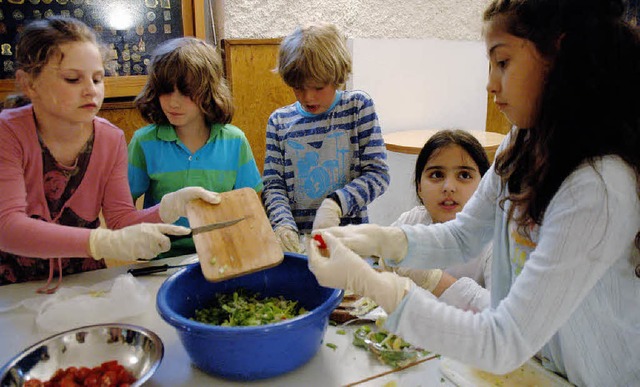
(531, 373)
(242, 248)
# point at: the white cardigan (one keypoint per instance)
(570, 292)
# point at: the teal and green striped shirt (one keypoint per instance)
(159, 163)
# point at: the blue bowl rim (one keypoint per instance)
(194, 327)
(14, 360)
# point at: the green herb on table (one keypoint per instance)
(244, 308)
(341, 332)
(389, 348)
(332, 346)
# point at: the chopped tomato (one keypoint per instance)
(124, 376)
(92, 380)
(69, 381)
(110, 365)
(108, 379)
(82, 374)
(108, 374)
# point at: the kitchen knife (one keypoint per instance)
(206, 228)
(154, 269)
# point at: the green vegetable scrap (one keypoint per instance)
(341, 332)
(390, 349)
(332, 346)
(244, 308)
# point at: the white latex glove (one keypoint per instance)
(328, 215)
(173, 205)
(144, 240)
(341, 268)
(371, 240)
(289, 239)
(426, 279)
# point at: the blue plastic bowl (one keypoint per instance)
(257, 352)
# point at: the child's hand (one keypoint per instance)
(289, 239)
(172, 205)
(371, 240)
(338, 267)
(426, 279)
(335, 265)
(328, 215)
(144, 240)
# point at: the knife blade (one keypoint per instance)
(206, 228)
(214, 226)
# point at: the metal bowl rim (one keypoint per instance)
(152, 335)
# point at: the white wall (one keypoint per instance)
(418, 84)
(422, 83)
(417, 19)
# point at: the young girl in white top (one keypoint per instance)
(561, 206)
(447, 172)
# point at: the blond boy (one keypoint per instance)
(325, 156)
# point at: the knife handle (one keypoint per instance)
(148, 270)
(174, 238)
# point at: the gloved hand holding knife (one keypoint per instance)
(147, 240)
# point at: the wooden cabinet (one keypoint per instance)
(123, 114)
(257, 90)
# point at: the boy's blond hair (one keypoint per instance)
(314, 53)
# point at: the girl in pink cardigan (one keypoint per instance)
(60, 165)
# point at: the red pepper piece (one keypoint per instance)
(318, 238)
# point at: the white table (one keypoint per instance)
(344, 365)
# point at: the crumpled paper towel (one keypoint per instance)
(75, 306)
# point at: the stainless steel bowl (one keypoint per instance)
(137, 349)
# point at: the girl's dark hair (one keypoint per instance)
(444, 138)
(590, 104)
(194, 68)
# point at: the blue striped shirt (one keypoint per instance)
(311, 156)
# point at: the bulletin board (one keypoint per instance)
(130, 29)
